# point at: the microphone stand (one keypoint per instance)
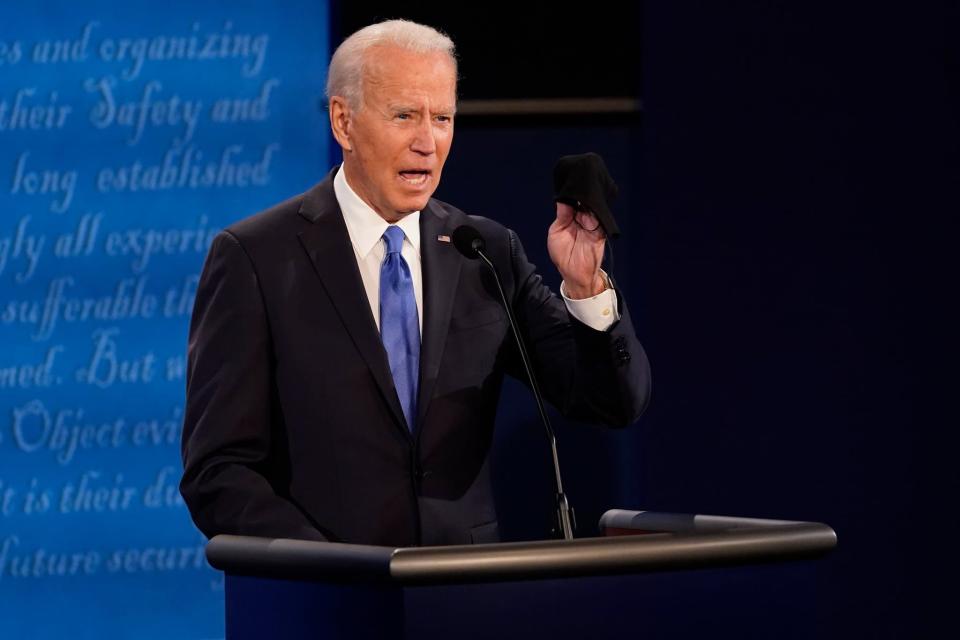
(565, 518)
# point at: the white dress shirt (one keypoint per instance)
(366, 228)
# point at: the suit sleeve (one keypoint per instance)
(589, 375)
(231, 419)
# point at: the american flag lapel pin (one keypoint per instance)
(443, 238)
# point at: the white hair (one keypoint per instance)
(345, 75)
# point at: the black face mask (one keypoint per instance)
(583, 182)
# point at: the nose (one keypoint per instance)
(423, 141)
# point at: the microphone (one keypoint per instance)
(471, 244)
(468, 241)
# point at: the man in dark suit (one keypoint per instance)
(345, 361)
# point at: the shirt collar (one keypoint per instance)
(365, 225)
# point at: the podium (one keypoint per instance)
(278, 588)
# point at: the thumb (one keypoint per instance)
(565, 214)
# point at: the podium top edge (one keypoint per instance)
(717, 541)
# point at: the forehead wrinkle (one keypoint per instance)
(374, 75)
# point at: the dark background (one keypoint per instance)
(787, 201)
(524, 49)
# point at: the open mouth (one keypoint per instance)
(415, 177)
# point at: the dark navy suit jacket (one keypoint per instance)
(292, 425)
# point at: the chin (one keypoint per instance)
(409, 206)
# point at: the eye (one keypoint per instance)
(403, 116)
(444, 118)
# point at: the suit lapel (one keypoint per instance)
(328, 245)
(441, 272)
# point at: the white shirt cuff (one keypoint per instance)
(599, 312)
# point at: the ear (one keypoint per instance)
(340, 120)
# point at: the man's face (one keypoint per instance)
(394, 147)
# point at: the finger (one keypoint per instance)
(589, 223)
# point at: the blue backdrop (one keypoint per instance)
(129, 134)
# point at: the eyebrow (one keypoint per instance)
(406, 107)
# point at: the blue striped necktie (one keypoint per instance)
(399, 328)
